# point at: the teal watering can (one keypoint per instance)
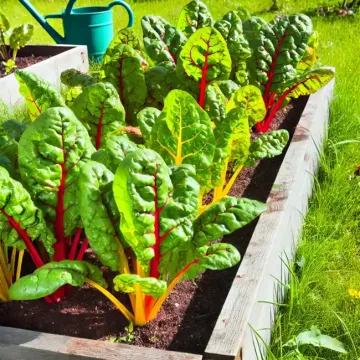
(91, 25)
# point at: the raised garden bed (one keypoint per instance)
(253, 283)
(54, 59)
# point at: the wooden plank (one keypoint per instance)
(273, 241)
(49, 69)
(31, 345)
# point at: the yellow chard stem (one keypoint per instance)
(4, 285)
(19, 264)
(129, 316)
(2, 296)
(232, 180)
(140, 307)
(4, 266)
(161, 299)
(13, 258)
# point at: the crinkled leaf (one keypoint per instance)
(157, 208)
(243, 13)
(309, 58)
(307, 83)
(20, 36)
(99, 109)
(249, 98)
(52, 276)
(16, 204)
(230, 27)
(150, 286)
(163, 42)
(13, 129)
(277, 49)
(231, 135)
(193, 16)
(39, 94)
(76, 78)
(122, 68)
(7, 164)
(217, 257)
(268, 145)
(113, 152)
(228, 87)
(52, 151)
(4, 23)
(126, 36)
(215, 103)
(99, 213)
(160, 80)
(205, 58)
(225, 217)
(183, 135)
(315, 338)
(146, 119)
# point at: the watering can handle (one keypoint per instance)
(116, 2)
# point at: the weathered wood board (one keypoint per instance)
(18, 344)
(249, 302)
(63, 57)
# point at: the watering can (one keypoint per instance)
(91, 25)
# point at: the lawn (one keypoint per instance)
(329, 249)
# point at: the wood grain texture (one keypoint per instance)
(18, 344)
(63, 57)
(273, 241)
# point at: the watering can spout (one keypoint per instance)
(42, 21)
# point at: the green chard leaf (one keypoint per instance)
(122, 67)
(52, 276)
(160, 80)
(205, 58)
(227, 87)
(193, 16)
(99, 109)
(163, 42)
(10, 132)
(230, 27)
(156, 207)
(99, 213)
(277, 49)
(232, 136)
(248, 98)
(223, 218)
(126, 36)
(149, 286)
(267, 145)
(215, 257)
(75, 78)
(309, 58)
(20, 219)
(307, 83)
(52, 151)
(146, 119)
(182, 134)
(113, 152)
(20, 36)
(4, 23)
(215, 103)
(39, 94)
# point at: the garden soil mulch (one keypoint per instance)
(23, 62)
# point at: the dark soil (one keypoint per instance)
(187, 318)
(23, 62)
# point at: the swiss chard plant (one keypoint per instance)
(140, 215)
(184, 133)
(282, 61)
(152, 209)
(16, 39)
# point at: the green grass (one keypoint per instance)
(330, 243)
